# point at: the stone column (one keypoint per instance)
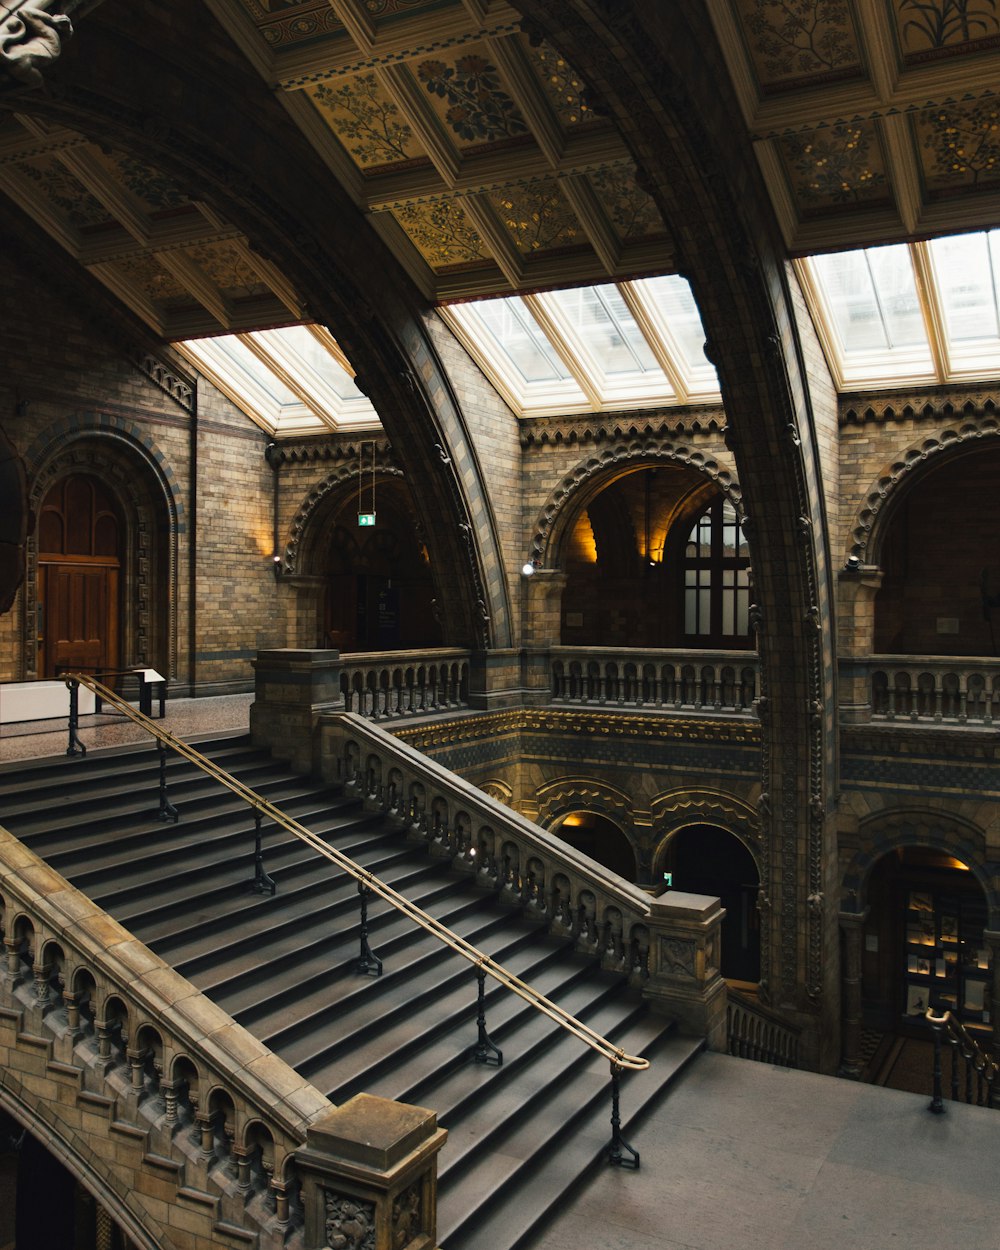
(304, 607)
(542, 628)
(369, 1176)
(857, 588)
(852, 926)
(685, 947)
(291, 688)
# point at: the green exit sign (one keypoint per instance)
(366, 518)
(668, 878)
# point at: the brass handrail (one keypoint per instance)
(478, 958)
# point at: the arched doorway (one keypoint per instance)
(923, 943)
(656, 558)
(79, 576)
(600, 838)
(380, 592)
(706, 859)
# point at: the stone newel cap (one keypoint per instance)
(374, 1132)
(679, 905)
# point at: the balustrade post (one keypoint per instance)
(618, 1144)
(13, 948)
(992, 939)
(169, 1091)
(71, 1002)
(936, 1104)
(205, 1124)
(684, 979)
(43, 991)
(852, 926)
(369, 1176)
(260, 883)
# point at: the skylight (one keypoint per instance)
(908, 313)
(587, 349)
(289, 381)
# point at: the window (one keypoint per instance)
(717, 579)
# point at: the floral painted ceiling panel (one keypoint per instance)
(930, 30)
(842, 165)
(468, 96)
(959, 147)
(565, 89)
(630, 210)
(66, 195)
(442, 233)
(226, 266)
(796, 41)
(285, 22)
(537, 217)
(154, 190)
(367, 121)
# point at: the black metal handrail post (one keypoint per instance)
(368, 963)
(75, 746)
(937, 1098)
(261, 882)
(167, 809)
(618, 1143)
(485, 1050)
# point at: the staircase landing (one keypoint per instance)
(743, 1156)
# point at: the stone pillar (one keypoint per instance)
(369, 1176)
(857, 588)
(685, 947)
(291, 689)
(852, 925)
(542, 628)
(494, 679)
(304, 604)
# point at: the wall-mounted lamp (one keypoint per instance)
(276, 565)
(528, 569)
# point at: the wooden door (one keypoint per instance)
(79, 616)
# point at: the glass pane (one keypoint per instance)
(728, 612)
(518, 336)
(690, 613)
(246, 363)
(298, 343)
(896, 290)
(965, 270)
(704, 611)
(601, 318)
(671, 294)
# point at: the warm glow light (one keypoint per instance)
(573, 821)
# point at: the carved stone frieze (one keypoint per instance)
(935, 404)
(407, 1217)
(350, 1222)
(596, 428)
(677, 957)
(332, 446)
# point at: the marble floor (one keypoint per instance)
(187, 718)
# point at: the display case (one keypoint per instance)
(947, 964)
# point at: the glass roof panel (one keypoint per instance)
(245, 362)
(965, 269)
(516, 333)
(677, 313)
(601, 319)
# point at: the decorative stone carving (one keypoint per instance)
(31, 39)
(406, 1217)
(350, 1223)
(677, 957)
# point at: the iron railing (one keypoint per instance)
(974, 1074)
(368, 884)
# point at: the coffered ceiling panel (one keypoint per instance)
(873, 120)
(477, 155)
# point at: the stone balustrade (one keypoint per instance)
(668, 946)
(188, 1130)
(931, 690)
(385, 685)
(677, 680)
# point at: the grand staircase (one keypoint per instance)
(521, 1135)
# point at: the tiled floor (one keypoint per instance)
(187, 718)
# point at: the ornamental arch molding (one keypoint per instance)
(890, 831)
(592, 474)
(898, 477)
(305, 534)
(582, 794)
(123, 456)
(680, 809)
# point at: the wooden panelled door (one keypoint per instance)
(79, 567)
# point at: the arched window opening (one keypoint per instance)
(717, 579)
(706, 859)
(600, 838)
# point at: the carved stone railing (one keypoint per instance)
(754, 1032)
(673, 680)
(668, 946)
(385, 685)
(932, 690)
(186, 1128)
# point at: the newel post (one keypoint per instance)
(685, 946)
(369, 1176)
(291, 688)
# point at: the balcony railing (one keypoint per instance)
(934, 689)
(675, 680)
(386, 685)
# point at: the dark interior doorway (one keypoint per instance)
(601, 839)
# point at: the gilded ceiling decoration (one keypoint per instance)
(64, 192)
(537, 217)
(443, 233)
(630, 210)
(154, 189)
(285, 22)
(151, 279)
(565, 89)
(367, 121)
(226, 266)
(872, 122)
(467, 95)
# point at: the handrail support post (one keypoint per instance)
(936, 1104)
(485, 1050)
(261, 882)
(167, 809)
(618, 1143)
(368, 963)
(75, 746)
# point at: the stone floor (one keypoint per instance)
(743, 1156)
(187, 718)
